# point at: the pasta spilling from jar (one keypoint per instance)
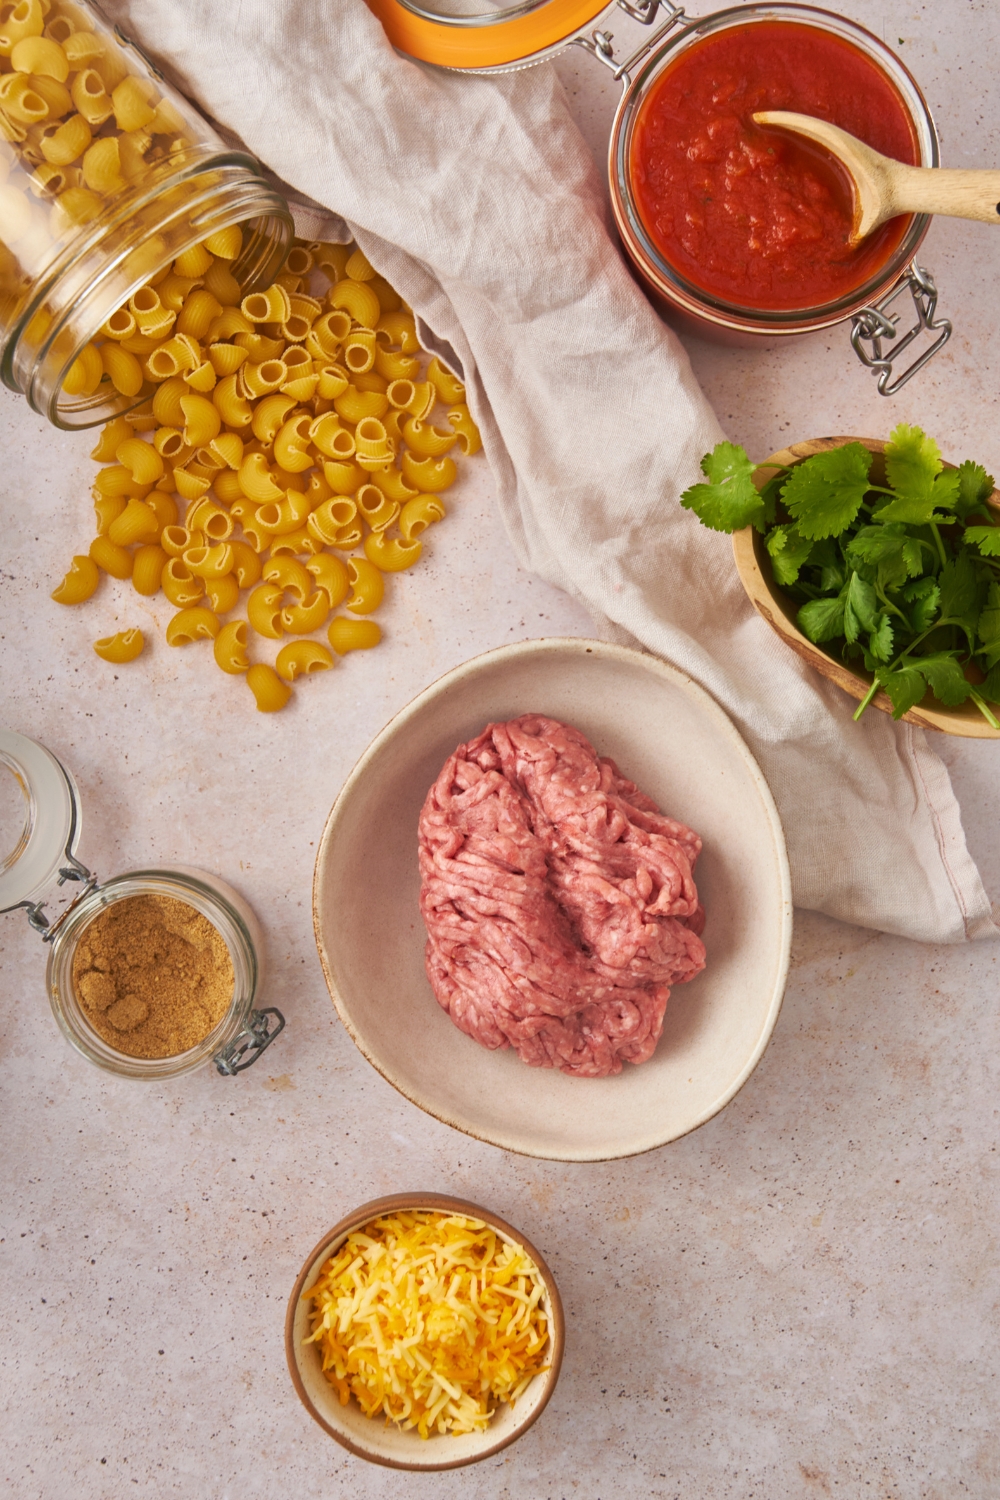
(291, 453)
(81, 125)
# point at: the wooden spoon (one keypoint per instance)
(883, 188)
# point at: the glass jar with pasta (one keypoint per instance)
(152, 973)
(108, 179)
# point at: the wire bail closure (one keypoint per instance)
(873, 324)
(598, 43)
(245, 1048)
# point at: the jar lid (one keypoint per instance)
(39, 819)
(482, 34)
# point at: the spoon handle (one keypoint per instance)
(945, 190)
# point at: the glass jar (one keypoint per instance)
(705, 312)
(40, 825)
(106, 175)
(491, 37)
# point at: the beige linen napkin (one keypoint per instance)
(477, 198)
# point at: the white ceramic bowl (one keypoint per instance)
(371, 1438)
(670, 737)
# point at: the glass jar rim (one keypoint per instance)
(671, 282)
(210, 902)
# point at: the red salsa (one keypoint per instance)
(755, 216)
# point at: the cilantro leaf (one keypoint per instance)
(827, 558)
(874, 544)
(986, 538)
(730, 500)
(789, 553)
(945, 677)
(769, 495)
(960, 592)
(824, 494)
(897, 555)
(912, 462)
(975, 487)
(822, 619)
(990, 689)
(880, 639)
(860, 608)
(988, 627)
(923, 596)
(905, 687)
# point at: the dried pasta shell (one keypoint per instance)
(197, 624)
(80, 582)
(120, 648)
(230, 648)
(267, 687)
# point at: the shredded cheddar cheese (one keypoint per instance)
(431, 1320)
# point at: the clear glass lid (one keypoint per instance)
(39, 820)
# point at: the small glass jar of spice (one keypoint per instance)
(150, 974)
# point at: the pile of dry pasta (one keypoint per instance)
(288, 449)
(431, 1320)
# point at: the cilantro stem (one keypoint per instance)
(889, 605)
(938, 543)
(915, 643)
(866, 700)
(986, 712)
(894, 667)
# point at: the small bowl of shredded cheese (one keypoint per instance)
(424, 1333)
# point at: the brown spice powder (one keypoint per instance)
(153, 975)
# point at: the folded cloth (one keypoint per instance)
(477, 198)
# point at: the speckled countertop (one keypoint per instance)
(798, 1300)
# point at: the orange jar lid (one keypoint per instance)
(457, 40)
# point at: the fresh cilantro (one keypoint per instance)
(828, 559)
(986, 538)
(924, 598)
(988, 628)
(912, 462)
(822, 619)
(960, 592)
(975, 487)
(990, 689)
(789, 553)
(860, 608)
(945, 678)
(887, 573)
(824, 494)
(881, 638)
(942, 673)
(769, 495)
(905, 687)
(730, 500)
(890, 549)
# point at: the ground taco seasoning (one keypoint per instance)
(154, 976)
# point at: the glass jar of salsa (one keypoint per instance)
(740, 233)
(743, 231)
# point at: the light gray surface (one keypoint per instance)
(798, 1300)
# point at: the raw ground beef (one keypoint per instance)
(560, 904)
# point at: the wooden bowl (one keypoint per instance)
(369, 1437)
(754, 567)
(672, 738)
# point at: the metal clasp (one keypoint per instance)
(254, 1039)
(873, 324)
(598, 43)
(73, 869)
